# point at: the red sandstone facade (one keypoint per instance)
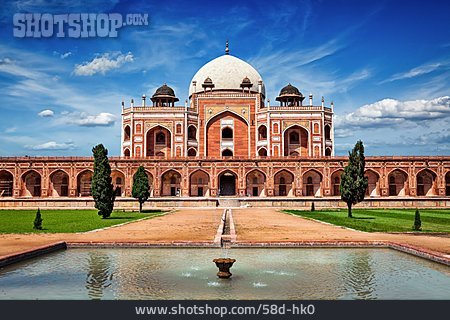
(227, 140)
(276, 177)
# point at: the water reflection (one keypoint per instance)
(99, 276)
(359, 276)
(181, 273)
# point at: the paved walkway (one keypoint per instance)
(200, 225)
(269, 224)
(184, 225)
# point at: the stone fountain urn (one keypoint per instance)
(224, 265)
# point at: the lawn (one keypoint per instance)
(382, 220)
(65, 221)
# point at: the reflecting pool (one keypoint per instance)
(258, 273)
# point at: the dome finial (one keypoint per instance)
(227, 50)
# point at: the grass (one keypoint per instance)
(65, 221)
(382, 220)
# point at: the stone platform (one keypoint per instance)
(211, 202)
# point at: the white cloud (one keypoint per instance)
(418, 71)
(65, 55)
(62, 55)
(388, 112)
(102, 119)
(46, 113)
(52, 145)
(11, 130)
(300, 67)
(103, 63)
(343, 133)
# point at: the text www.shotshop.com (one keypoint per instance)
(261, 309)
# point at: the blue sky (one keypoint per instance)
(385, 64)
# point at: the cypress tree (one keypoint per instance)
(37, 224)
(417, 222)
(102, 187)
(140, 187)
(353, 182)
(313, 208)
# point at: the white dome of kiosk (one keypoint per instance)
(226, 72)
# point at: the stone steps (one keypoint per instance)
(229, 203)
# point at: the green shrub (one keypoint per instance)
(38, 221)
(312, 207)
(417, 222)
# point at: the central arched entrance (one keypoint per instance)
(227, 184)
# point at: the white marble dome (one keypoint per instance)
(226, 72)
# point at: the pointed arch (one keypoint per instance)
(59, 183)
(373, 186)
(192, 152)
(335, 182)
(255, 183)
(6, 183)
(296, 140)
(227, 152)
(397, 182)
(426, 183)
(262, 152)
(158, 141)
(126, 133)
(226, 129)
(118, 181)
(312, 183)
(284, 183)
(192, 132)
(227, 182)
(171, 183)
(262, 132)
(84, 182)
(199, 183)
(31, 184)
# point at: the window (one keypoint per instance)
(282, 180)
(309, 180)
(262, 152)
(192, 133)
(127, 133)
(255, 180)
(227, 133)
(118, 180)
(178, 128)
(275, 128)
(138, 128)
(262, 133)
(316, 128)
(327, 133)
(192, 153)
(294, 138)
(160, 138)
(173, 180)
(227, 153)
